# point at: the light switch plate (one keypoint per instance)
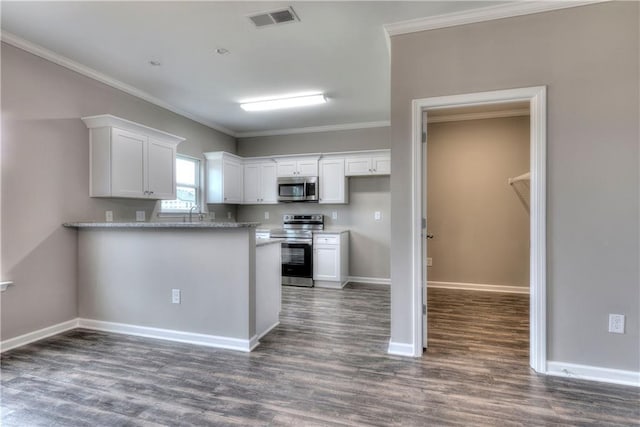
(108, 216)
(140, 216)
(377, 215)
(228, 215)
(212, 215)
(175, 296)
(334, 215)
(429, 262)
(616, 323)
(266, 215)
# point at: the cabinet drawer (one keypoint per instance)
(326, 240)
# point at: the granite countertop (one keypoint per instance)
(263, 242)
(331, 230)
(203, 224)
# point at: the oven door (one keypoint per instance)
(297, 259)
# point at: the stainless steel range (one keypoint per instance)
(297, 248)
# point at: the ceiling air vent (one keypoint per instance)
(280, 16)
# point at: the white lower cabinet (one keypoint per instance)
(330, 260)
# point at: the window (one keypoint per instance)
(187, 186)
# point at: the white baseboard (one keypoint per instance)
(369, 280)
(593, 373)
(329, 285)
(269, 329)
(25, 339)
(479, 287)
(400, 349)
(171, 335)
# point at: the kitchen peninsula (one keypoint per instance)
(182, 281)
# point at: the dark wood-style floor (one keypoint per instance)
(326, 364)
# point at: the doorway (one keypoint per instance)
(536, 98)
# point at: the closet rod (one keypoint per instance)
(522, 177)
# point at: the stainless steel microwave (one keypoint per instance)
(298, 189)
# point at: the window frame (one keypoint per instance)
(198, 189)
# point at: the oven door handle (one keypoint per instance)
(305, 241)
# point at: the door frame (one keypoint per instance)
(536, 96)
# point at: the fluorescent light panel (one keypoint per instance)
(279, 103)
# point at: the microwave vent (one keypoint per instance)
(281, 16)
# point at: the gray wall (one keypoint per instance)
(588, 58)
(126, 276)
(369, 239)
(316, 142)
(45, 180)
(480, 224)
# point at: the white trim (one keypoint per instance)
(482, 14)
(315, 129)
(5, 285)
(63, 61)
(171, 335)
(480, 116)
(401, 349)
(537, 101)
(479, 287)
(108, 120)
(370, 280)
(593, 373)
(38, 335)
(327, 284)
(269, 329)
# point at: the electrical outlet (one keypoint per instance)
(140, 216)
(616, 323)
(266, 215)
(108, 216)
(228, 215)
(377, 215)
(175, 296)
(334, 215)
(212, 215)
(429, 262)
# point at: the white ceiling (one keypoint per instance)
(338, 48)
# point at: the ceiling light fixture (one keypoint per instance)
(155, 63)
(222, 51)
(288, 102)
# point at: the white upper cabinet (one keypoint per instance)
(297, 166)
(130, 160)
(333, 183)
(260, 183)
(377, 162)
(225, 178)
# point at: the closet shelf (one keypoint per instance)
(523, 177)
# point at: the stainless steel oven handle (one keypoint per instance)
(306, 241)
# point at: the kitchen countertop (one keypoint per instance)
(264, 242)
(176, 225)
(331, 230)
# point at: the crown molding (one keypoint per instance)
(483, 14)
(72, 65)
(315, 129)
(478, 116)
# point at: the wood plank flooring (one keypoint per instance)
(325, 365)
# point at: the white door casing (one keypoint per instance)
(536, 96)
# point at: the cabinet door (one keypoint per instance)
(268, 183)
(307, 168)
(326, 262)
(381, 165)
(332, 181)
(252, 183)
(128, 158)
(161, 174)
(232, 181)
(355, 166)
(288, 168)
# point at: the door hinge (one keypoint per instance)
(424, 223)
(424, 309)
